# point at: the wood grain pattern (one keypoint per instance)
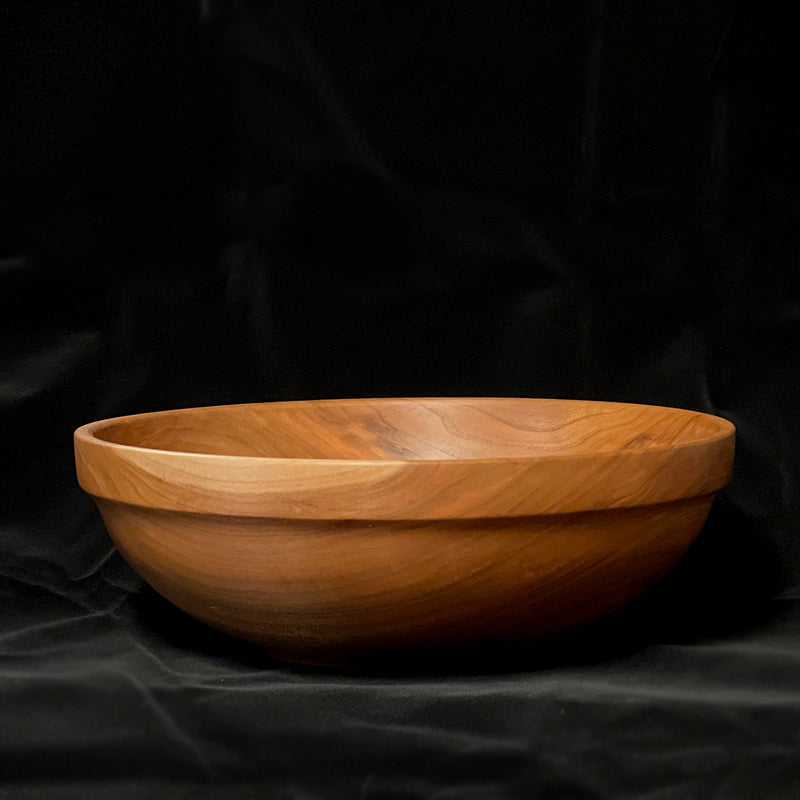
(327, 529)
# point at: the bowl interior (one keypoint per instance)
(415, 429)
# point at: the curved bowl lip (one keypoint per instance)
(89, 431)
(344, 488)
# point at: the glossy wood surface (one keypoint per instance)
(327, 529)
(405, 459)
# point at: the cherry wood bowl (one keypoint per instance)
(328, 530)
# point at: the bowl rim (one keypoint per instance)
(306, 488)
(89, 430)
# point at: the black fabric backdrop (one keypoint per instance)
(215, 202)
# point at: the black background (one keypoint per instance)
(215, 202)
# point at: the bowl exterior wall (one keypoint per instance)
(319, 591)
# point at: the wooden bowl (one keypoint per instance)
(329, 530)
